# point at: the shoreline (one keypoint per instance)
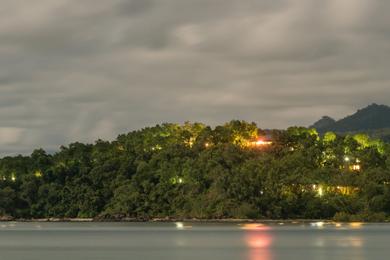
(163, 220)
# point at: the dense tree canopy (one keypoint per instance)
(194, 171)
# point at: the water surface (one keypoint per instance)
(170, 241)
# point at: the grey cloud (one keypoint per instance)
(81, 70)
(134, 7)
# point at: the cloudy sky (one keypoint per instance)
(78, 70)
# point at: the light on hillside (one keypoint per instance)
(320, 191)
(356, 167)
(38, 174)
(260, 143)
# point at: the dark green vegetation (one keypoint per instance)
(373, 120)
(194, 171)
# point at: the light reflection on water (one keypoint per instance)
(258, 241)
(170, 241)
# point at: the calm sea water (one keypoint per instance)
(170, 241)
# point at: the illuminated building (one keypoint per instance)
(319, 189)
(355, 167)
(352, 164)
(261, 142)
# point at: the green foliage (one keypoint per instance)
(329, 137)
(367, 217)
(195, 171)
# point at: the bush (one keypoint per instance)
(342, 217)
(364, 217)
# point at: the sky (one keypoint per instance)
(79, 70)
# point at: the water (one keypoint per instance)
(170, 241)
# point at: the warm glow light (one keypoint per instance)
(259, 241)
(258, 244)
(254, 226)
(156, 148)
(320, 191)
(206, 145)
(356, 167)
(356, 225)
(346, 190)
(190, 142)
(319, 224)
(347, 159)
(181, 226)
(260, 143)
(177, 180)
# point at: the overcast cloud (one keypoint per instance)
(78, 70)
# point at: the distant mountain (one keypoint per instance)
(374, 119)
(324, 122)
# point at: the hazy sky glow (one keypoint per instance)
(78, 70)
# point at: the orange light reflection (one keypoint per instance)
(258, 240)
(356, 225)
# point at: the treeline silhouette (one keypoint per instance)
(235, 170)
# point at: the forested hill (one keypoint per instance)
(374, 120)
(235, 170)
